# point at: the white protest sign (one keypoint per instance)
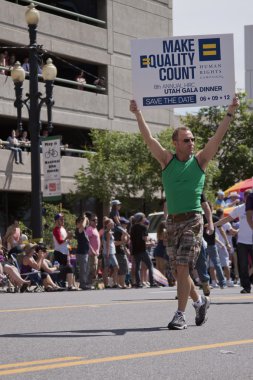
(51, 151)
(183, 71)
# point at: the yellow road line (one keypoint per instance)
(48, 308)
(55, 360)
(80, 306)
(139, 355)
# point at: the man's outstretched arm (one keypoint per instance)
(211, 148)
(160, 154)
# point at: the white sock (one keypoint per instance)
(199, 302)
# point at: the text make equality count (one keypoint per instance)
(165, 100)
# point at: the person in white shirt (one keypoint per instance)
(244, 242)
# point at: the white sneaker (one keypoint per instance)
(215, 285)
(230, 284)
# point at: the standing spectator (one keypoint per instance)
(121, 240)
(114, 213)
(109, 254)
(82, 252)
(94, 240)
(139, 236)
(201, 263)
(81, 80)
(14, 145)
(233, 199)
(61, 251)
(161, 257)
(212, 252)
(2, 63)
(220, 201)
(244, 242)
(224, 246)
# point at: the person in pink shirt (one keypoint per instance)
(94, 239)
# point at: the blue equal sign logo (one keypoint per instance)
(144, 61)
(209, 49)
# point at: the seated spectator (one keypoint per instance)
(48, 268)
(6, 56)
(45, 133)
(81, 80)
(26, 65)
(99, 82)
(31, 267)
(14, 145)
(24, 141)
(12, 60)
(9, 270)
(11, 240)
(2, 63)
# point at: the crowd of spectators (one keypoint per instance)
(122, 255)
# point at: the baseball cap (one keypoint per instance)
(116, 202)
(139, 216)
(58, 216)
(123, 220)
(234, 194)
(29, 247)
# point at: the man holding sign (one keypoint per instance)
(183, 181)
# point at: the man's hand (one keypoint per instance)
(133, 107)
(235, 104)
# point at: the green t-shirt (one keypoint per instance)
(183, 183)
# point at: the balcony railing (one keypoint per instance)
(64, 149)
(64, 81)
(77, 16)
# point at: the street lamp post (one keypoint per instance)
(33, 103)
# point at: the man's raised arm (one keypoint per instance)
(160, 154)
(211, 148)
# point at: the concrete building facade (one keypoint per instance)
(106, 46)
(248, 36)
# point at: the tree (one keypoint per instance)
(121, 166)
(234, 158)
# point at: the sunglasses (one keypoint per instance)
(192, 139)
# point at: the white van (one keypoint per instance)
(154, 221)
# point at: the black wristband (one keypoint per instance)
(229, 114)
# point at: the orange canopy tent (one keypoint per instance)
(240, 186)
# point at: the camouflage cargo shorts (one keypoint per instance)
(184, 239)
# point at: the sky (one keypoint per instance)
(196, 17)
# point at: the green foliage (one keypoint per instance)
(233, 161)
(122, 166)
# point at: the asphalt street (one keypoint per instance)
(122, 334)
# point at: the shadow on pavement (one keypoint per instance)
(82, 333)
